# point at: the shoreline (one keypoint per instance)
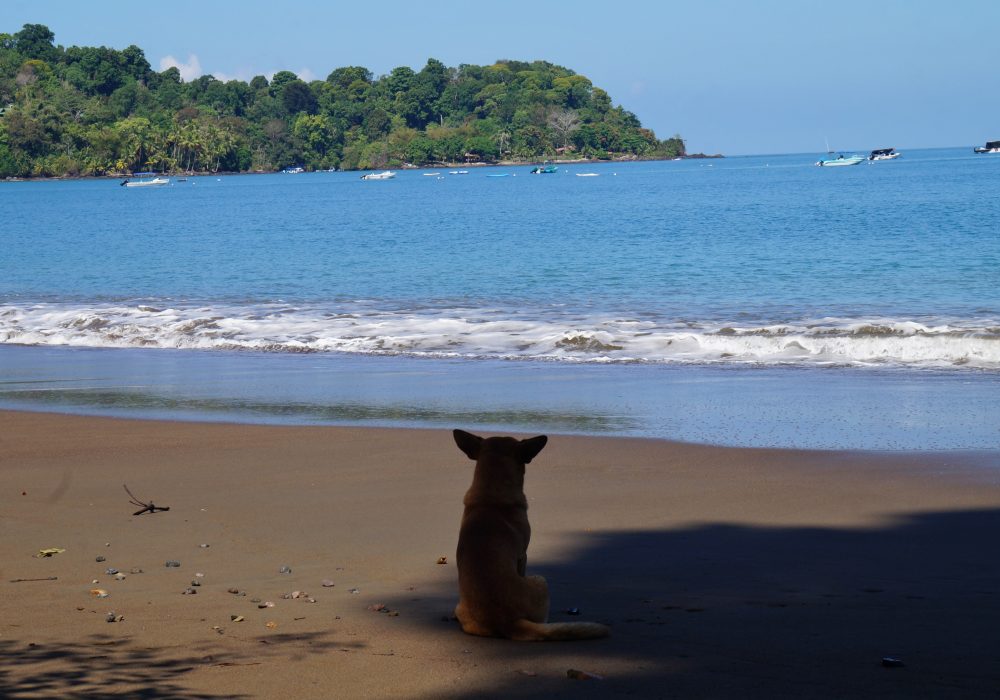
(723, 571)
(498, 164)
(819, 408)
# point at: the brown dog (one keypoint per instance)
(496, 599)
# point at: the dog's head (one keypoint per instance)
(500, 460)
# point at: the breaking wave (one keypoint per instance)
(507, 334)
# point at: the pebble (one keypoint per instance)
(266, 604)
(189, 591)
(204, 546)
(100, 559)
(119, 577)
(255, 600)
(237, 618)
(442, 560)
(195, 582)
(172, 563)
(111, 571)
(135, 570)
(583, 675)
(285, 570)
(200, 575)
(99, 593)
(327, 583)
(111, 617)
(355, 591)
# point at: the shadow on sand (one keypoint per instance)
(104, 666)
(726, 611)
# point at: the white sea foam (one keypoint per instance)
(497, 333)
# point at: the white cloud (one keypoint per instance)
(189, 70)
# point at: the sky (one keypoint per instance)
(730, 76)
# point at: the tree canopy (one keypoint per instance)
(98, 110)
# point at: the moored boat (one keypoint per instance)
(148, 180)
(883, 154)
(384, 175)
(544, 169)
(840, 160)
(990, 147)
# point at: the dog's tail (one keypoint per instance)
(528, 631)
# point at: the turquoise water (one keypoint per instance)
(758, 276)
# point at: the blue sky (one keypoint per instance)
(730, 76)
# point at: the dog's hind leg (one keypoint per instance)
(536, 599)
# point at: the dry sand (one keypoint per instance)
(723, 572)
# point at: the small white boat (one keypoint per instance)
(458, 172)
(990, 147)
(385, 175)
(883, 154)
(293, 171)
(431, 174)
(840, 160)
(155, 181)
(587, 174)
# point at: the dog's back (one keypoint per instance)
(496, 599)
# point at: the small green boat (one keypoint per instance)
(543, 169)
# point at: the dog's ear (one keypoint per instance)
(468, 443)
(528, 449)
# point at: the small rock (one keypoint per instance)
(255, 600)
(270, 625)
(135, 570)
(111, 571)
(195, 582)
(266, 604)
(189, 591)
(327, 583)
(98, 593)
(100, 559)
(204, 546)
(442, 560)
(110, 617)
(237, 618)
(172, 563)
(119, 577)
(199, 575)
(285, 570)
(234, 591)
(354, 591)
(583, 675)
(218, 629)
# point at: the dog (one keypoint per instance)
(496, 599)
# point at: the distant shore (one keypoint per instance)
(499, 164)
(723, 572)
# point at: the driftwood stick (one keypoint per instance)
(22, 580)
(146, 507)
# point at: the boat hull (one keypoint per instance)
(839, 162)
(155, 182)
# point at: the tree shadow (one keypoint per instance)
(103, 665)
(762, 612)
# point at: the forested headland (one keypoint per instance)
(89, 111)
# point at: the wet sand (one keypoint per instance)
(723, 572)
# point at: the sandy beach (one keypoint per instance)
(723, 572)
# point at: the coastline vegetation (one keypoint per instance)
(91, 111)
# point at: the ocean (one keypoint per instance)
(755, 301)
